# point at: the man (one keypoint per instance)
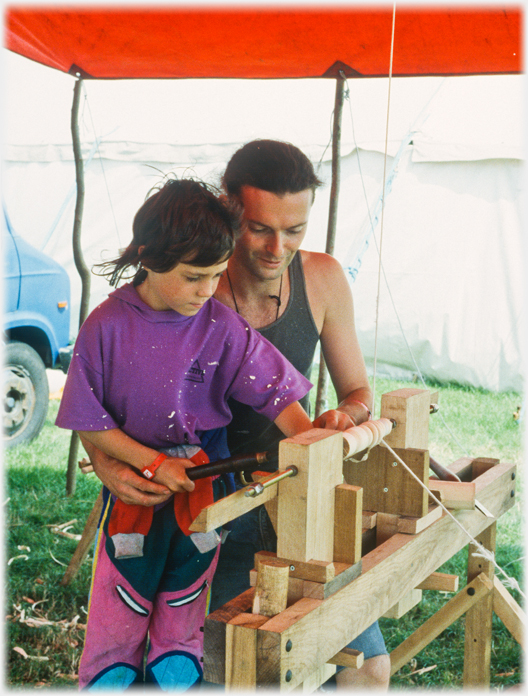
(294, 298)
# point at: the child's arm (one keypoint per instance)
(119, 445)
(293, 420)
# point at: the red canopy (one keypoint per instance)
(267, 43)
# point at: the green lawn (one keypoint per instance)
(45, 621)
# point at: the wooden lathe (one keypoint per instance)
(351, 552)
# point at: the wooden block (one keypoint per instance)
(386, 527)
(348, 658)
(318, 571)
(508, 611)
(348, 523)
(410, 409)
(414, 525)
(405, 604)
(368, 520)
(271, 589)
(387, 486)
(455, 495)
(307, 501)
(215, 635)
(241, 651)
(439, 581)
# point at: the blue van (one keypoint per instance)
(36, 333)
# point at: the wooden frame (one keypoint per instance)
(301, 643)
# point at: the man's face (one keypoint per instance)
(274, 228)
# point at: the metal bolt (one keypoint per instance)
(512, 494)
(385, 490)
(394, 463)
(289, 675)
(289, 646)
(513, 476)
(292, 568)
(471, 591)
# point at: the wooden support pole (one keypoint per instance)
(479, 588)
(82, 268)
(320, 401)
(477, 648)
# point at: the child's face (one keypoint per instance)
(185, 288)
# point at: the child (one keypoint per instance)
(152, 370)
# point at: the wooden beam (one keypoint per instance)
(480, 587)
(508, 611)
(441, 582)
(348, 657)
(477, 645)
(226, 509)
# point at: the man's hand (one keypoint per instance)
(334, 420)
(124, 481)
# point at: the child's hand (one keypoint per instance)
(171, 473)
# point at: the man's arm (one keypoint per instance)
(117, 444)
(123, 480)
(333, 309)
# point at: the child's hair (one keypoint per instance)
(181, 221)
(270, 165)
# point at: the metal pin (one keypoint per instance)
(258, 488)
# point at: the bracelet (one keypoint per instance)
(356, 401)
(150, 470)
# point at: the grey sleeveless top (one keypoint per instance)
(295, 335)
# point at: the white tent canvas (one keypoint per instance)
(451, 290)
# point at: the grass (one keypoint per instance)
(45, 621)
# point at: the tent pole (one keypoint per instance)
(81, 266)
(321, 399)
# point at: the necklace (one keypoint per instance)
(273, 297)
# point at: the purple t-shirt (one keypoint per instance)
(164, 378)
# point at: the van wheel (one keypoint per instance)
(26, 394)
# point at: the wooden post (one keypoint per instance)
(305, 516)
(477, 653)
(81, 266)
(387, 486)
